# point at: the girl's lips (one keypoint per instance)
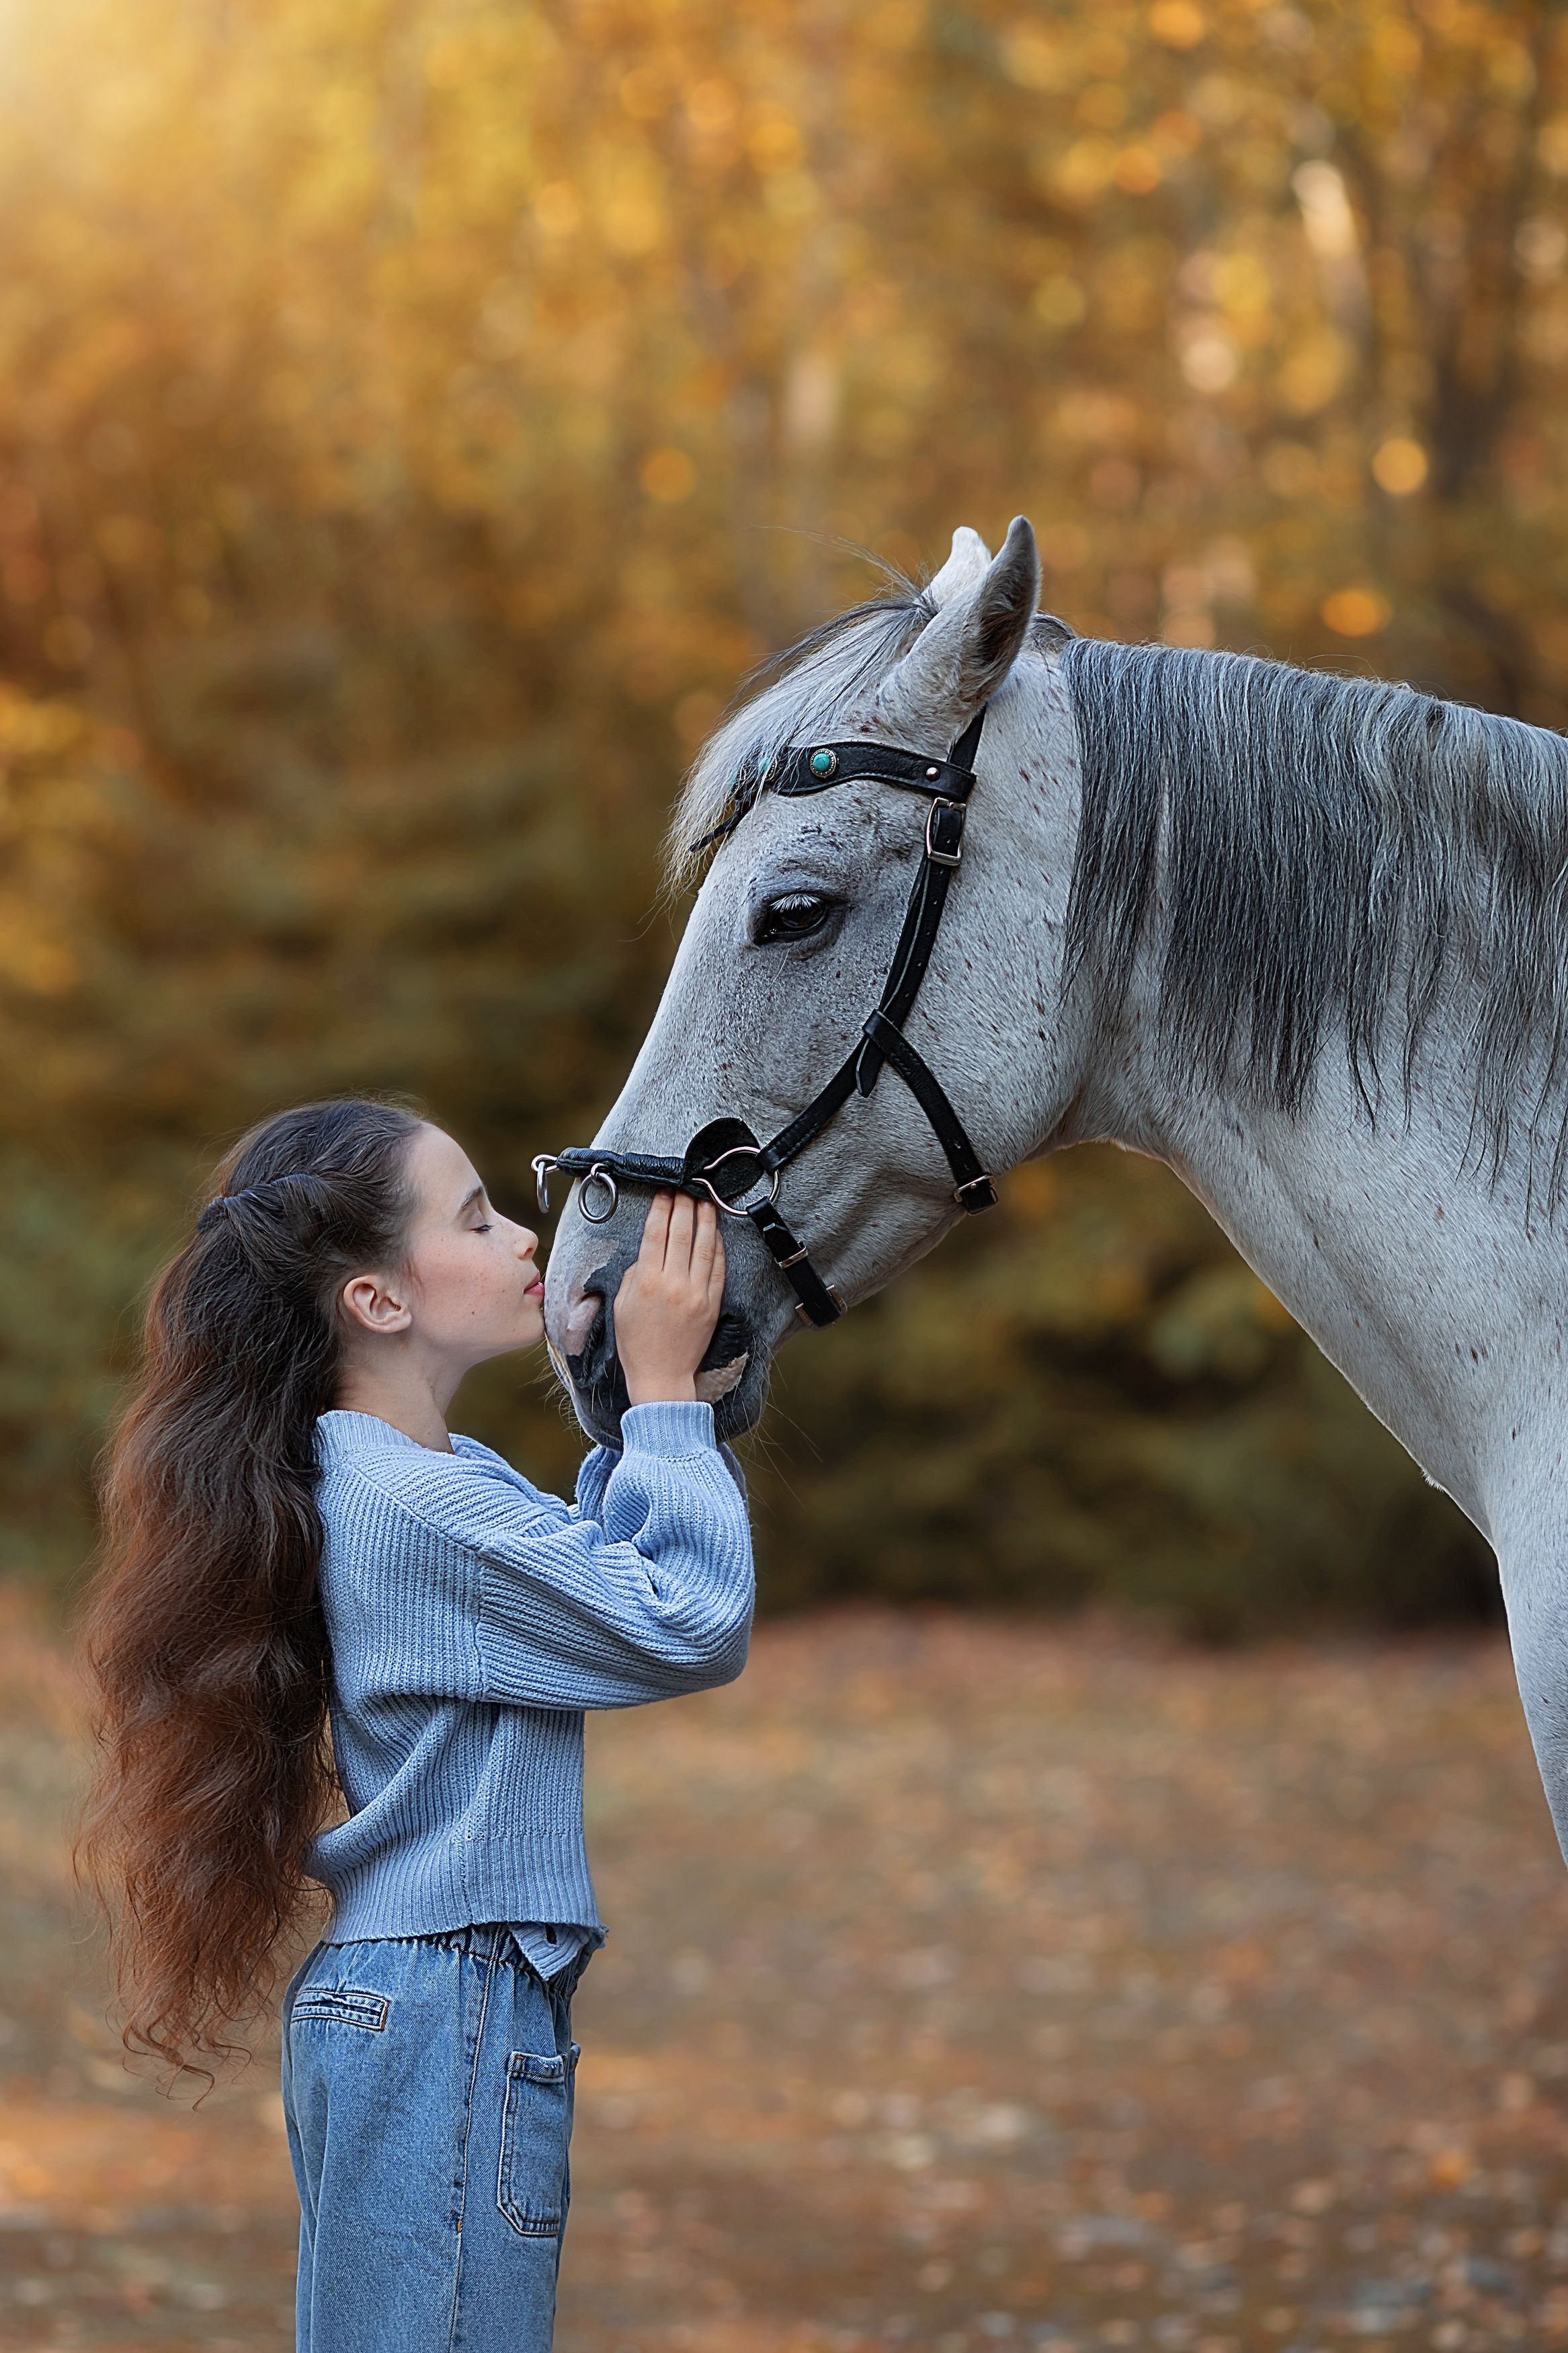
(536, 1288)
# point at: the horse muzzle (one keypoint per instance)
(733, 1376)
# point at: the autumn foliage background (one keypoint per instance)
(416, 416)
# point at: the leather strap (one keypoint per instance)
(815, 1302)
(808, 1125)
(922, 918)
(639, 1168)
(883, 763)
(972, 1189)
(793, 774)
(943, 848)
(812, 769)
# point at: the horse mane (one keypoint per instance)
(1327, 853)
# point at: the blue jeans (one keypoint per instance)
(427, 2086)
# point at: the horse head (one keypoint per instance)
(788, 949)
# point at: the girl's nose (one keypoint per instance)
(527, 1244)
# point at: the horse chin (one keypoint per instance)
(716, 1385)
(741, 1406)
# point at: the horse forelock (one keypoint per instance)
(791, 698)
(794, 696)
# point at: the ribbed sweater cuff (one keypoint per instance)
(669, 1426)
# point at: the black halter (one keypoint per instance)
(724, 1160)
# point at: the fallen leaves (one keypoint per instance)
(972, 1983)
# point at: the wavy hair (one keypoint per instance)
(203, 1633)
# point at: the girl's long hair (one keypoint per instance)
(203, 1635)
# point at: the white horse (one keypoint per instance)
(1304, 938)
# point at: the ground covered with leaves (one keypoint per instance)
(973, 1984)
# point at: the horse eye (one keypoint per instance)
(795, 916)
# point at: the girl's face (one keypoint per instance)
(470, 1290)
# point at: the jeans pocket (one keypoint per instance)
(290, 1990)
(536, 2128)
(342, 2005)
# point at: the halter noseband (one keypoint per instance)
(724, 1160)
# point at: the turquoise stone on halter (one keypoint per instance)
(822, 764)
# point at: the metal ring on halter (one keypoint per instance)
(737, 1208)
(541, 1164)
(600, 1174)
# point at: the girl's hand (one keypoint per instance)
(670, 1299)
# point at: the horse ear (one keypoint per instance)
(960, 657)
(967, 563)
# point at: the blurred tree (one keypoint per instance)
(414, 414)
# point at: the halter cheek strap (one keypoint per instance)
(724, 1160)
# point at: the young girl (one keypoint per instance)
(291, 1530)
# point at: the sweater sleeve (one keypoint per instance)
(594, 1471)
(646, 1595)
(642, 1590)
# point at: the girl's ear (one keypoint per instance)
(374, 1307)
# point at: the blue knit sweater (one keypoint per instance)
(472, 1619)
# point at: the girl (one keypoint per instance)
(293, 1534)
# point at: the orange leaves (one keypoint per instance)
(530, 363)
(1399, 466)
(1356, 612)
(1034, 57)
(1180, 23)
(667, 475)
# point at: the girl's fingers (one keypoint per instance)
(680, 1238)
(704, 1243)
(716, 1271)
(682, 1217)
(655, 1231)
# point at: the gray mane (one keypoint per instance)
(1330, 855)
(1335, 852)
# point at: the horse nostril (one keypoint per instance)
(596, 1372)
(596, 1355)
(585, 1308)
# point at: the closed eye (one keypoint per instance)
(794, 915)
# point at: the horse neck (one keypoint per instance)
(1441, 1296)
(1410, 1275)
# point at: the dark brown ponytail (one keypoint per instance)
(203, 1633)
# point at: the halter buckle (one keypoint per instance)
(979, 1194)
(944, 832)
(541, 1164)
